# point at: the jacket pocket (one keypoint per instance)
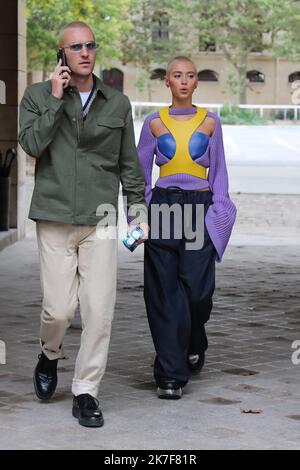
(109, 135)
(110, 122)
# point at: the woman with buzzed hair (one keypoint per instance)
(179, 277)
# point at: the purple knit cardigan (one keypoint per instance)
(220, 215)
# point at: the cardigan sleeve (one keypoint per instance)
(146, 151)
(221, 215)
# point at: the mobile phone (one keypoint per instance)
(61, 55)
(132, 238)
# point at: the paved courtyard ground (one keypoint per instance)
(255, 320)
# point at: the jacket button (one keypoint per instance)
(73, 119)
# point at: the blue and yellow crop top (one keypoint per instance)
(182, 144)
(197, 145)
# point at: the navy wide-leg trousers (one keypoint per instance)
(178, 284)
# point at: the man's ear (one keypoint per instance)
(167, 82)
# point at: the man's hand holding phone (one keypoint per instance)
(60, 79)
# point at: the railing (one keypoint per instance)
(137, 105)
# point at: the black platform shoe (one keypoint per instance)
(86, 409)
(45, 377)
(196, 362)
(169, 389)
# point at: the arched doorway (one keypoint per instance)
(208, 76)
(158, 74)
(255, 76)
(114, 78)
(294, 76)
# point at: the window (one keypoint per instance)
(114, 78)
(254, 76)
(294, 76)
(158, 74)
(206, 42)
(259, 45)
(208, 76)
(160, 26)
(258, 40)
(207, 46)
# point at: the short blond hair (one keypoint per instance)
(74, 24)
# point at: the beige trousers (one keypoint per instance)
(78, 266)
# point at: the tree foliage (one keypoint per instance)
(241, 27)
(45, 18)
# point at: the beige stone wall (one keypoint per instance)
(275, 90)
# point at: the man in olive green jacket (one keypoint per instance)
(81, 133)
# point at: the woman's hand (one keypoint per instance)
(145, 228)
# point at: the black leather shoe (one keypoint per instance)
(169, 389)
(196, 362)
(86, 409)
(45, 377)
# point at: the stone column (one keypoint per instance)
(12, 85)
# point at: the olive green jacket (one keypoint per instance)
(80, 162)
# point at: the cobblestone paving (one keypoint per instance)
(254, 322)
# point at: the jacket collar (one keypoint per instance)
(99, 86)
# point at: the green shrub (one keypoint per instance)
(141, 112)
(280, 114)
(232, 114)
